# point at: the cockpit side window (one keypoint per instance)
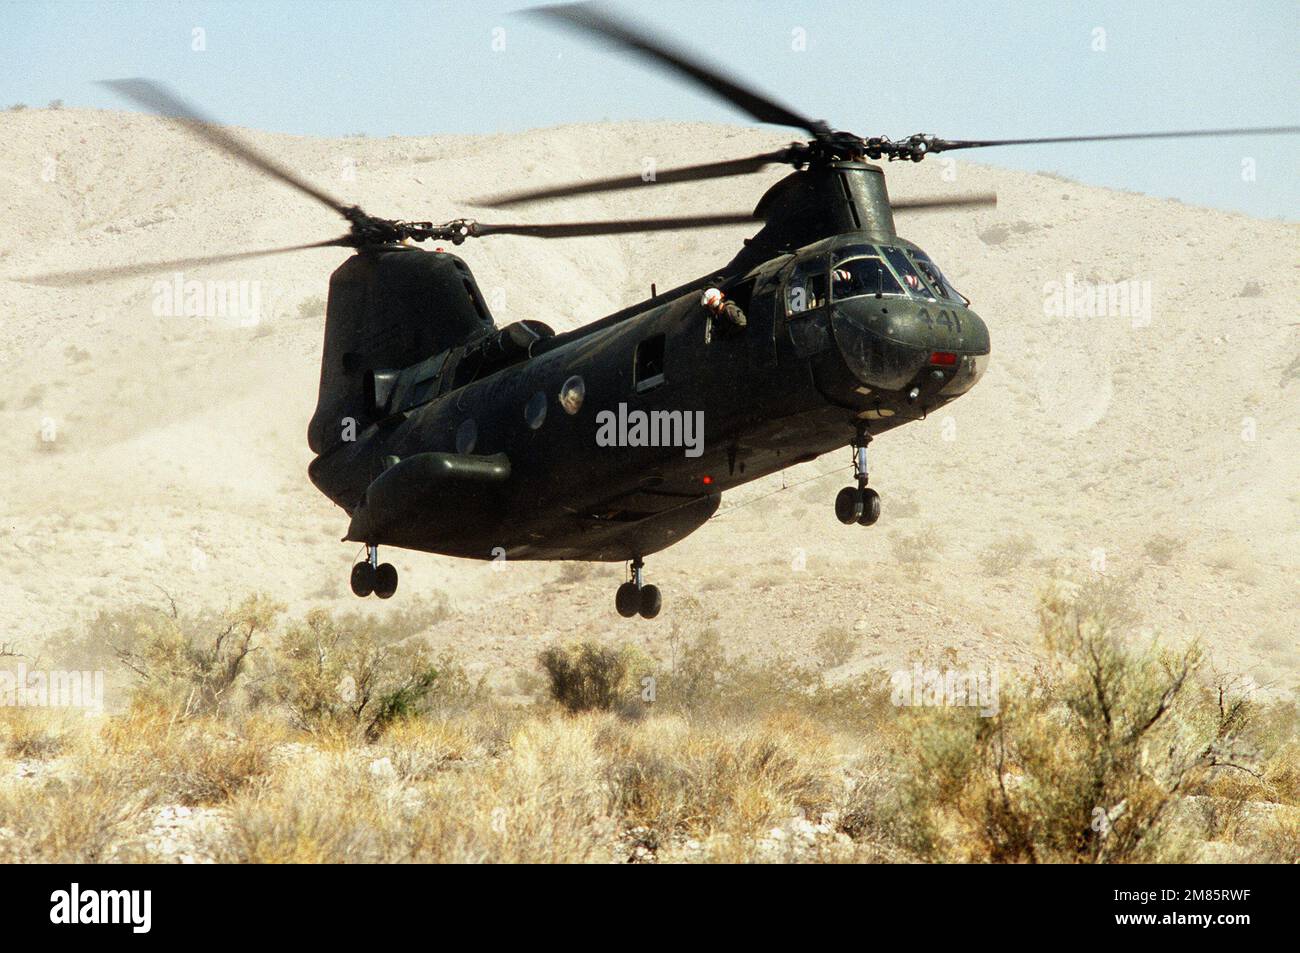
(935, 277)
(863, 276)
(806, 288)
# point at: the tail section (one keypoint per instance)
(388, 309)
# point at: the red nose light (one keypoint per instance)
(943, 358)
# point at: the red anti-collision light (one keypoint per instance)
(943, 358)
(706, 480)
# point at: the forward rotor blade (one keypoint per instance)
(615, 227)
(958, 201)
(945, 145)
(687, 173)
(663, 53)
(64, 279)
(161, 101)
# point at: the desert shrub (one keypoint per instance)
(192, 664)
(348, 673)
(1084, 764)
(835, 646)
(573, 572)
(1007, 555)
(702, 681)
(1161, 548)
(913, 550)
(312, 306)
(586, 677)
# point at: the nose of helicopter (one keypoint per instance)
(926, 351)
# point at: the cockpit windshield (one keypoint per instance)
(907, 271)
(863, 276)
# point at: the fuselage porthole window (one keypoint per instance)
(535, 410)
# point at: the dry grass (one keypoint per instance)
(189, 762)
(733, 760)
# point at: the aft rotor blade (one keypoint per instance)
(945, 145)
(956, 201)
(64, 279)
(667, 55)
(614, 227)
(686, 173)
(161, 101)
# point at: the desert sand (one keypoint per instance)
(149, 452)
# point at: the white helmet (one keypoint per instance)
(711, 298)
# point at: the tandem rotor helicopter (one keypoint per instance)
(436, 430)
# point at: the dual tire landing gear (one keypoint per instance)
(858, 504)
(374, 577)
(635, 597)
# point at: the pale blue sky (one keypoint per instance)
(993, 69)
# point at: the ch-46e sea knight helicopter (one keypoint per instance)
(435, 430)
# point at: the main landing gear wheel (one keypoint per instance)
(363, 579)
(651, 602)
(373, 577)
(627, 600)
(858, 504)
(385, 580)
(635, 597)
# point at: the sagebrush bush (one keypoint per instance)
(834, 646)
(1161, 548)
(341, 672)
(914, 550)
(586, 677)
(1007, 555)
(1084, 764)
(191, 664)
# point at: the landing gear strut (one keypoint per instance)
(858, 504)
(634, 596)
(372, 576)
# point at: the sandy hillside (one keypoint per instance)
(146, 452)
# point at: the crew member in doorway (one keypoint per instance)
(716, 303)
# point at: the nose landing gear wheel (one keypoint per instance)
(870, 507)
(858, 504)
(635, 597)
(848, 505)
